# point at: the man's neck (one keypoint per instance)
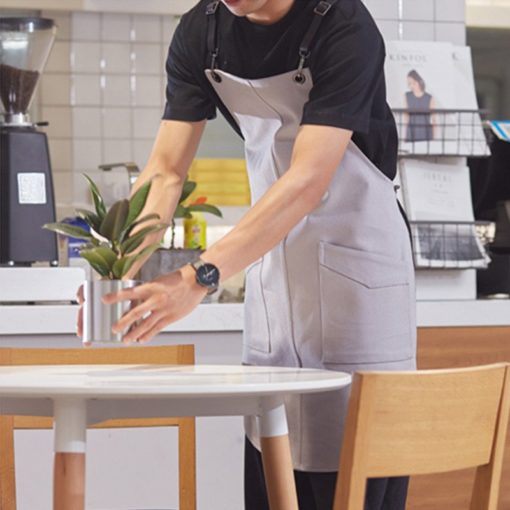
(272, 12)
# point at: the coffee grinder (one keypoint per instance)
(26, 185)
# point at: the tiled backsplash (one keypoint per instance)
(102, 93)
(103, 88)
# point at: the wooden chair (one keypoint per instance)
(166, 355)
(434, 421)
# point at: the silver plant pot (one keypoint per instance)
(166, 261)
(98, 317)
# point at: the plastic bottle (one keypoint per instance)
(74, 245)
(195, 232)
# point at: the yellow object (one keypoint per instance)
(222, 181)
(195, 232)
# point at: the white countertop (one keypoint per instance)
(61, 319)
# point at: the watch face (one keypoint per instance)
(208, 275)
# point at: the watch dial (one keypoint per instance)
(209, 275)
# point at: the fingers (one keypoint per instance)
(123, 295)
(79, 295)
(79, 322)
(139, 332)
(135, 314)
(154, 330)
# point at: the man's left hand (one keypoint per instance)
(164, 300)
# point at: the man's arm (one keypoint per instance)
(318, 151)
(172, 154)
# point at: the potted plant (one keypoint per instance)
(166, 260)
(111, 248)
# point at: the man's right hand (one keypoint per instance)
(79, 323)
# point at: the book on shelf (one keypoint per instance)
(431, 88)
(437, 200)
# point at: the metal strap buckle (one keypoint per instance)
(322, 8)
(212, 8)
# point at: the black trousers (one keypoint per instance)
(317, 490)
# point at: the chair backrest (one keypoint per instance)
(430, 421)
(164, 355)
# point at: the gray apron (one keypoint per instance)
(338, 292)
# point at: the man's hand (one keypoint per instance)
(160, 302)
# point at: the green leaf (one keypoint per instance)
(92, 219)
(97, 198)
(97, 261)
(181, 212)
(146, 252)
(137, 239)
(114, 221)
(118, 268)
(137, 203)
(187, 190)
(206, 208)
(132, 244)
(69, 230)
(107, 254)
(126, 232)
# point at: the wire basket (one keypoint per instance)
(442, 132)
(451, 244)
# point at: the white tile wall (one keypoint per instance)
(117, 123)
(116, 27)
(102, 92)
(103, 88)
(147, 29)
(85, 27)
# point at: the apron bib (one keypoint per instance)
(338, 291)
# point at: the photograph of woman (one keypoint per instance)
(419, 126)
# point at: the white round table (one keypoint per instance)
(81, 395)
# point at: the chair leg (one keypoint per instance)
(187, 465)
(7, 479)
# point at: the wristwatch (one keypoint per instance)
(207, 275)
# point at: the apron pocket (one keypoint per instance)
(256, 327)
(365, 306)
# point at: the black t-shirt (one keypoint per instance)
(346, 63)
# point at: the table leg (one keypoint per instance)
(69, 465)
(277, 460)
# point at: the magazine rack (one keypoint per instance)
(451, 244)
(442, 132)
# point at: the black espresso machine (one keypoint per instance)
(26, 186)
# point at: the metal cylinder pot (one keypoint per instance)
(98, 317)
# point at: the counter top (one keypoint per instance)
(61, 319)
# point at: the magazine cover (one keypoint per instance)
(423, 80)
(437, 200)
(472, 137)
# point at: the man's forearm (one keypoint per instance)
(297, 193)
(163, 199)
(264, 225)
(171, 157)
